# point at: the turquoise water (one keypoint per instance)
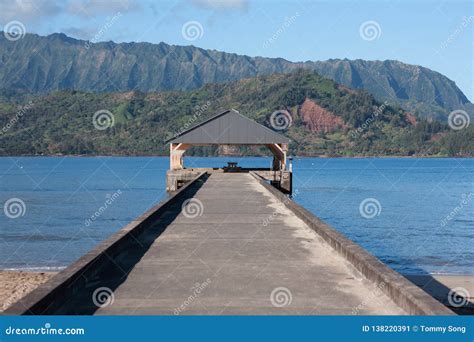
(422, 220)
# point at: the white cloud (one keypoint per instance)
(28, 10)
(81, 33)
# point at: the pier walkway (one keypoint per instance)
(242, 245)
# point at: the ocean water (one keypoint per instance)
(416, 215)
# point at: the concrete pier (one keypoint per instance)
(245, 245)
(228, 243)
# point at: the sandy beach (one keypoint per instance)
(16, 284)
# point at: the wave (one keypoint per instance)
(35, 269)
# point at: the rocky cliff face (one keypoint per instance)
(411, 119)
(317, 119)
(389, 80)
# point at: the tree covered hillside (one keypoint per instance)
(320, 116)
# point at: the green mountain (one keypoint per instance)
(320, 116)
(57, 62)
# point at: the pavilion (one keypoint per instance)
(227, 128)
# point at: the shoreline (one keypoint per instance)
(230, 156)
(54, 269)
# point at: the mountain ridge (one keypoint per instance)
(43, 64)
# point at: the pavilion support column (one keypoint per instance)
(176, 156)
(284, 149)
(279, 156)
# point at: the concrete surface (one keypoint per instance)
(245, 246)
(403, 292)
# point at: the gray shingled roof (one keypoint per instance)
(229, 127)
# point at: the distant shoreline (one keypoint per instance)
(230, 156)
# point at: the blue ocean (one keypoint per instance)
(415, 214)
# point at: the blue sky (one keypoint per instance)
(432, 33)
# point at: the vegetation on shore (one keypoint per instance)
(325, 118)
